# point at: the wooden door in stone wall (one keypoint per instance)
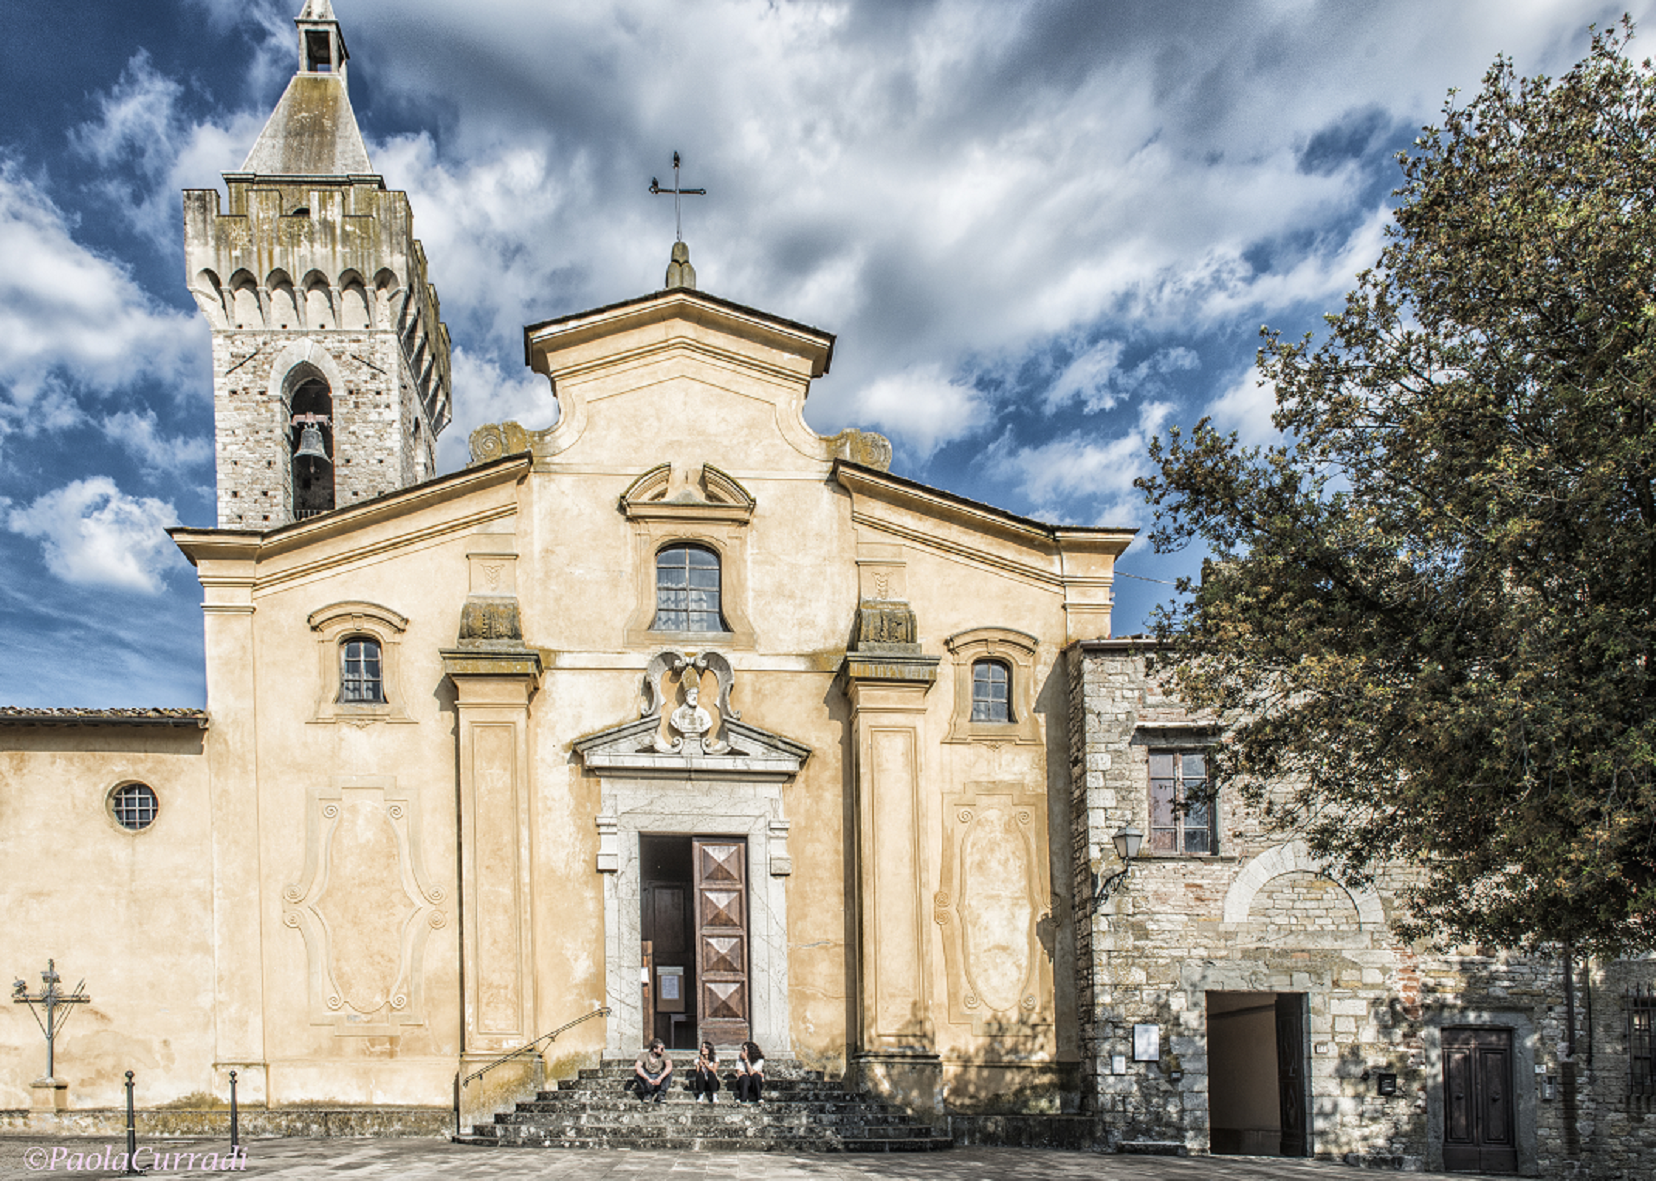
(1290, 1047)
(1477, 1101)
(720, 868)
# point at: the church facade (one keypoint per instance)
(679, 719)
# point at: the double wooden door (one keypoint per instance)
(1477, 1101)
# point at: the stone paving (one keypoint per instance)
(367, 1160)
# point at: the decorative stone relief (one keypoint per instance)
(497, 439)
(887, 626)
(484, 621)
(993, 909)
(674, 734)
(364, 906)
(862, 447)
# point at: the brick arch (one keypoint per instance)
(1293, 857)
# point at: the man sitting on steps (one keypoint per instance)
(653, 1071)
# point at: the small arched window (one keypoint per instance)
(361, 679)
(687, 590)
(991, 691)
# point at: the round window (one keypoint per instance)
(133, 806)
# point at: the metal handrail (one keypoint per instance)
(531, 1046)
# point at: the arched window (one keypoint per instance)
(687, 590)
(311, 438)
(991, 691)
(361, 679)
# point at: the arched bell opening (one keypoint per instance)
(311, 438)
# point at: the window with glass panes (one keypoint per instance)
(360, 677)
(991, 691)
(687, 590)
(1181, 815)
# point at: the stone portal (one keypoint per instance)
(713, 783)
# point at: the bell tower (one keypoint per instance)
(330, 358)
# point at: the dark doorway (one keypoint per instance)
(695, 931)
(1257, 1103)
(668, 931)
(1478, 1132)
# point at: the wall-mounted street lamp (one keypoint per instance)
(1127, 843)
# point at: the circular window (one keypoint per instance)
(133, 806)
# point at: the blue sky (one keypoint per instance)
(1042, 232)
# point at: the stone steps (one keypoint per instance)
(801, 1112)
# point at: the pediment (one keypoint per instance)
(675, 735)
(633, 746)
(709, 493)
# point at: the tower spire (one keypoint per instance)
(313, 131)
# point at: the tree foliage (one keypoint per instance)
(1432, 615)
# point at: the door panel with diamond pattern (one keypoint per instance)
(721, 937)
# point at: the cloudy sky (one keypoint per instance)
(1042, 232)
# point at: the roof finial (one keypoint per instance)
(679, 271)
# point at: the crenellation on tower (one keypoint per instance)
(331, 378)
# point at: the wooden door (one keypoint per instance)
(720, 867)
(1290, 1050)
(1478, 1136)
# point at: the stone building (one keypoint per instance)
(1287, 1016)
(677, 718)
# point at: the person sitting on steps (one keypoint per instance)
(653, 1071)
(750, 1073)
(704, 1083)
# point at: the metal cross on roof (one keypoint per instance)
(52, 999)
(655, 187)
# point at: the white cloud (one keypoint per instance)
(922, 409)
(91, 532)
(68, 314)
(140, 435)
(1087, 468)
(1095, 377)
(1246, 408)
(148, 150)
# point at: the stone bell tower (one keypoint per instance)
(330, 359)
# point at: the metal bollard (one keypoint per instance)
(132, 1135)
(235, 1131)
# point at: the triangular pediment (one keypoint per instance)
(634, 747)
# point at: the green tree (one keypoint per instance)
(1430, 619)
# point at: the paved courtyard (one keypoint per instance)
(362, 1160)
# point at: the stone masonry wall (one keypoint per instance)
(373, 420)
(1258, 917)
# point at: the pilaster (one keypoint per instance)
(887, 680)
(494, 676)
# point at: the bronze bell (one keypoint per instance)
(310, 445)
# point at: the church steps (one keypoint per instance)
(801, 1112)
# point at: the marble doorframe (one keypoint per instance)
(698, 806)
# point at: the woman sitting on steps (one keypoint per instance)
(750, 1073)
